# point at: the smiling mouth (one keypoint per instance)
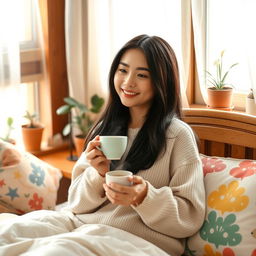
(129, 93)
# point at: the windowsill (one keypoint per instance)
(204, 106)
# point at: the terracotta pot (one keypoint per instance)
(32, 138)
(79, 144)
(221, 99)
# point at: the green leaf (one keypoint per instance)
(64, 109)
(71, 101)
(67, 129)
(97, 103)
(82, 107)
(9, 121)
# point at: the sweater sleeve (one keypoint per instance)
(86, 191)
(177, 210)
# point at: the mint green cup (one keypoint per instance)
(113, 147)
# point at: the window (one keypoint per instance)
(16, 99)
(229, 28)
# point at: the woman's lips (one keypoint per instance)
(129, 93)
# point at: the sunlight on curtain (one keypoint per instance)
(112, 23)
(15, 33)
(231, 26)
(9, 43)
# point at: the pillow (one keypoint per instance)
(26, 182)
(229, 227)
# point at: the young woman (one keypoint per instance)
(166, 202)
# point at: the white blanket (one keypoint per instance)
(87, 240)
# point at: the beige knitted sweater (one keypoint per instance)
(174, 207)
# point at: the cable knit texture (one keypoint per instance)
(174, 207)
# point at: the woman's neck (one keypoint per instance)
(137, 118)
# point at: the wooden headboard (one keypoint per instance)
(223, 133)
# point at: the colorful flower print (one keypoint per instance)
(246, 168)
(210, 252)
(37, 176)
(12, 193)
(36, 202)
(228, 198)
(212, 164)
(2, 183)
(220, 231)
(253, 253)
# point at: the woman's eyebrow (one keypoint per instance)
(138, 68)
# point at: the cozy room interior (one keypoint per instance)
(226, 142)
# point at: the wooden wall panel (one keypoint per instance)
(55, 87)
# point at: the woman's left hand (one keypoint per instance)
(127, 195)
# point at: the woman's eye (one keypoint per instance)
(122, 70)
(142, 76)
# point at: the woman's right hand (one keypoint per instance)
(96, 158)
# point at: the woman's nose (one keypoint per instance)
(130, 81)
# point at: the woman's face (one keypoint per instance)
(133, 82)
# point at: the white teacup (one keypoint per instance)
(119, 176)
(113, 147)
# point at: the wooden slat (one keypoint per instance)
(254, 154)
(217, 149)
(202, 147)
(237, 151)
(216, 128)
(221, 134)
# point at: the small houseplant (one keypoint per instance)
(220, 91)
(32, 133)
(80, 118)
(7, 137)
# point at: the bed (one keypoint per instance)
(223, 133)
(227, 145)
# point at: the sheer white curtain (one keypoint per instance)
(198, 8)
(112, 23)
(13, 94)
(249, 23)
(76, 47)
(9, 60)
(9, 43)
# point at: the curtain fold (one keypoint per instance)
(76, 47)
(95, 31)
(198, 8)
(15, 32)
(9, 43)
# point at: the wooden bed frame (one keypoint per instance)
(223, 133)
(220, 133)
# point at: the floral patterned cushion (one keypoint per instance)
(26, 182)
(229, 227)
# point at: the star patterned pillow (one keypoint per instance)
(26, 182)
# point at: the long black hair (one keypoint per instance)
(151, 138)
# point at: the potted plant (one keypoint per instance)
(32, 133)
(80, 118)
(220, 91)
(7, 137)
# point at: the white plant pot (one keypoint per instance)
(250, 106)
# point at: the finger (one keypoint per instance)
(100, 160)
(93, 154)
(93, 144)
(136, 179)
(116, 197)
(120, 188)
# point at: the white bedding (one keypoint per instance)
(87, 240)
